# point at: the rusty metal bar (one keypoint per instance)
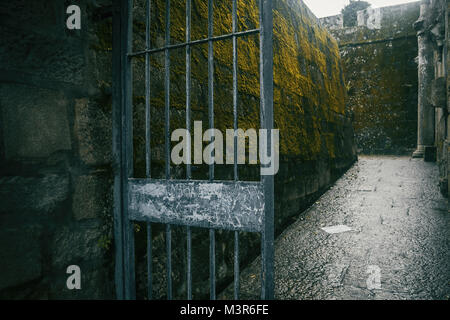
(149, 262)
(127, 148)
(148, 143)
(169, 260)
(212, 241)
(211, 79)
(117, 146)
(236, 266)
(147, 92)
(189, 262)
(235, 126)
(235, 87)
(188, 128)
(167, 135)
(212, 263)
(195, 42)
(266, 111)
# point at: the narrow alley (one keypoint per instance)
(166, 149)
(397, 222)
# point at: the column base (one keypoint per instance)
(419, 153)
(428, 153)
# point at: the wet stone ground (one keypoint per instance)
(398, 246)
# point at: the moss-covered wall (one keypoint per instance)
(55, 136)
(316, 135)
(380, 67)
(308, 78)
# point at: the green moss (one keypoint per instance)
(383, 95)
(307, 73)
(309, 103)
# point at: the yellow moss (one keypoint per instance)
(308, 89)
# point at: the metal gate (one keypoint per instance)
(171, 202)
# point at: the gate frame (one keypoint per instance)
(123, 143)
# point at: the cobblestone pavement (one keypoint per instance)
(398, 248)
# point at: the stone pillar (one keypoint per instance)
(426, 119)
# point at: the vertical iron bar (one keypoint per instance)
(235, 88)
(212, 249)
(169, 261)
(189, 263)
(188, 85)
(167, 90)
(266, 87)
(236, 266)
(235, 126)
(147, 93)
(148, 145)
(211, 77)
(212, 263)
(188, 128)
(127, 149)
(118, 53)
(149, 262)
(167, 134)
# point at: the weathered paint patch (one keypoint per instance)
(218, 205)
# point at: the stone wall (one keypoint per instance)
(379, 57)
(433, 30)
(55, 137)
(445, 167)
(55, 150)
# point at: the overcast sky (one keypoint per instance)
(324, 8)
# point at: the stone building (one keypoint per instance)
(56, 166)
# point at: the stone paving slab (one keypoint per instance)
(399, 246)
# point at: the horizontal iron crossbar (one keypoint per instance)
(235, 206)
(194, 42)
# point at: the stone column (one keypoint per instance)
(426, 120)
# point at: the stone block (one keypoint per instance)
(75, 245)
(93, 130)
(438, 93)
(95, 284)
(20, 255)
(89, 198)
(21, 195)
(39, 16)
(312, 185)
(35, 122)
(56, 57)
